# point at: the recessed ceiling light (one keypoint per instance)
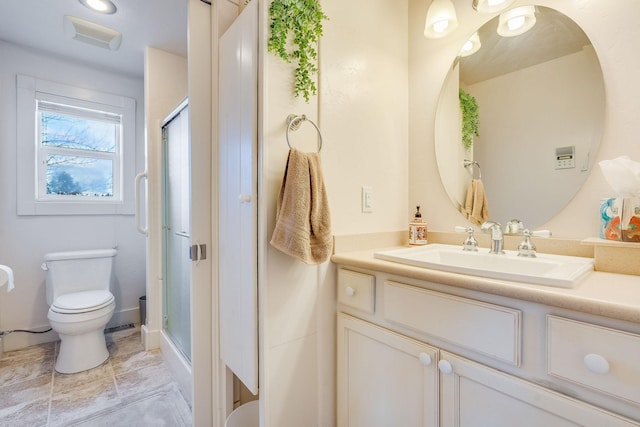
(102, 6)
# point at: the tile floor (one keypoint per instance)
(132, 388)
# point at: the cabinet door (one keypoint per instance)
(384, 379)
(238, 232)
(474, 395)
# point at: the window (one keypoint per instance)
(81, 145)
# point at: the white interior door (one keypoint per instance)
(238, 287)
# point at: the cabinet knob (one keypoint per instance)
(244, 198)
(349, 291)
(445, 367)
(425, 359)
(596, 363)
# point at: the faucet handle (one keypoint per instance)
(515, 226)
(541, 233)
(470, 243)
(526, 248)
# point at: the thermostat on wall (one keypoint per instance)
(566, 157)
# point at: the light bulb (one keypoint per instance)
(471, 46)
(101, 6)
(440, 26)
(98, 5)
(515, 23)
(441, 19)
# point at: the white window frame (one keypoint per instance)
(30, 201)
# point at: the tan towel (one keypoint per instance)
(475, 208)
(303, 223)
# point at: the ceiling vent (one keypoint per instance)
(91, 33)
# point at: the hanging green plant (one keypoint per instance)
(470, 118)
(304, 19)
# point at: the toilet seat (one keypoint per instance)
(82, 302)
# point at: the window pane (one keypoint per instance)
(79, 176)
(68, 131)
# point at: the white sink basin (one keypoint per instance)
(550, 270)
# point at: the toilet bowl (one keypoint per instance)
(81, 305)
(81, 330)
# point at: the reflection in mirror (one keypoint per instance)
(539, 94)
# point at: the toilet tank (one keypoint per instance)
(78, 271)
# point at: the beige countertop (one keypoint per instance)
(612, 295)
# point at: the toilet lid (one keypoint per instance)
(80, 302)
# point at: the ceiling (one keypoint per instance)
(39, 24)
(554, 35)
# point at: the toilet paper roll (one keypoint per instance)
(9, 272)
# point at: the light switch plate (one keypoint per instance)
(367, 199)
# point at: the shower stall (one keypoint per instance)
(176, 230)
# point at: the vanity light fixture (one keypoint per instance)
(517, 21)
(102, 6)
(471, 46)
(441, 19)
(491, 6)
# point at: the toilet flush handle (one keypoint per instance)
(44, 266)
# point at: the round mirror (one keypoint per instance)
(540, 109)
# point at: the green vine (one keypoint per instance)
(304, 19)
(470, 119)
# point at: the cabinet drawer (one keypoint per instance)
(356, 290)
(489, 329)
(601, 358)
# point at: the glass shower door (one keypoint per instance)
(177, 231)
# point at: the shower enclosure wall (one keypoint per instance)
(176, 230)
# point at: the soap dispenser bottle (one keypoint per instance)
(417, 230)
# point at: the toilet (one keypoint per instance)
(80, 306)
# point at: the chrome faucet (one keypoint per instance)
(497, 237)
(470, 244)
(526, 248)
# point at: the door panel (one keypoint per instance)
(176, 231)
(238, 197)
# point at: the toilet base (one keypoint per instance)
(81, 352)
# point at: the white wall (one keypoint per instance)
(25, 239)
(613, 30)
(362, 113)
(165, 86)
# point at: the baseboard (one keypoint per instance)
(150, 338)
(18, 340)
(124, 317)
(180, 369)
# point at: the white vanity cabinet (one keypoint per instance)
(474, 395)
(388, 378)
(384, 379)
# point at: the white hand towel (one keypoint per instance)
(9, 273)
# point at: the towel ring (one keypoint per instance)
(294, 122)
(475, 165)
